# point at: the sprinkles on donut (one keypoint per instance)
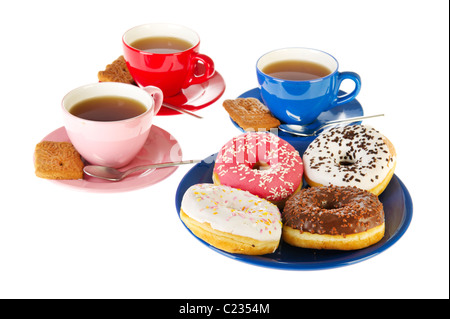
(231, 219)
(333, 217)
(262, 164)
(355, 155)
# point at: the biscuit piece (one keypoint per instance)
(116, 72)
(57, 160)
(250, 114)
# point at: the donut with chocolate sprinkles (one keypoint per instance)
(333, 217)
(354, 155)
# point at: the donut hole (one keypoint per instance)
(346, 161)
(329, 205)
(261, 166)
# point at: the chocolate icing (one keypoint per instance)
(333, 210)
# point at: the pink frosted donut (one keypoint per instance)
(262, 164)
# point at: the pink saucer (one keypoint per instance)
(160, 147)
(196, 96)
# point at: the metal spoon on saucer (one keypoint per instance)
(301, 130)
(112, 174)
(177, 108)
(180, 109)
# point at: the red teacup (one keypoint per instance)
(170, 71)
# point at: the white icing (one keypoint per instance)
(233, 211)
(358, 144)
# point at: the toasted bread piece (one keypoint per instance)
(57, 160)
(116, 72)
(250, 114)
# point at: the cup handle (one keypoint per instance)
(157, 96)
(208, 64)
(350, 96)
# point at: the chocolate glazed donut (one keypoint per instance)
(343, 218)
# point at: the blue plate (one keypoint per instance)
(398, 210)
(351, 109)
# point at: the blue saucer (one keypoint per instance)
(351, 109)
(398, 210)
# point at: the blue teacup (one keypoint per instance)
(302, 101)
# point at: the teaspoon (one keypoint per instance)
(112, 174)
(305, 131)
(180, 109)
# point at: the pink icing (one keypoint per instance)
(236, 161)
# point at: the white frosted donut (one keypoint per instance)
(231, 219)
(355, 155)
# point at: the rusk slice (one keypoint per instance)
(116, 72)
(250, 114)
(57, 160)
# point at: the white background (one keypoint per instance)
(61, 243)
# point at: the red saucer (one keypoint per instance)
(196, 96)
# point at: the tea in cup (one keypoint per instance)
(297, 84)
(109, 123)
(166, 56)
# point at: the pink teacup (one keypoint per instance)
(111, 143)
